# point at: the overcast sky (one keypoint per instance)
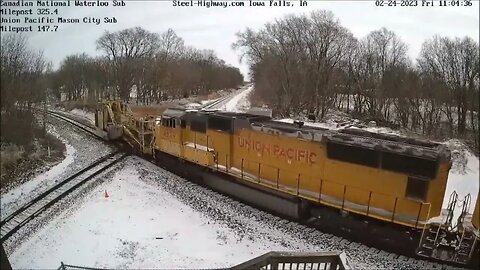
(215, 28)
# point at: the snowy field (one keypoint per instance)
(11, 199)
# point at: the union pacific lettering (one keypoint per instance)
(278, 151)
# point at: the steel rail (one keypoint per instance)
(118, 156)
(50, 190)
(84, 127)
(214, 103)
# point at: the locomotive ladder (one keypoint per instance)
(442, 241)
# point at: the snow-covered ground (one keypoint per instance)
(90, 116)
(23, 193)
(81, 150)
(112, 232)
(240, 102)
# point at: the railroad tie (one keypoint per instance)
(335, 239)
(402, 258)
(393, 256)
(354, 244)
(302, 227)
(383, 253)
(345, 242)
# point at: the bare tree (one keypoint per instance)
(456, 63)
(303, 54)
(305, 65)
(126, 50)
(22, 71)
(382, 54)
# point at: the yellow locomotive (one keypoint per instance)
(302, 172)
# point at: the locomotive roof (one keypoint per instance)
(193, 114)
(359, 138)
(349, 136)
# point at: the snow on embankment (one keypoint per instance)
(139, 226)
(16, 197)
(90, 116)
(464, 174)
(240, 102)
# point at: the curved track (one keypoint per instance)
(89, 129)
(32, 209)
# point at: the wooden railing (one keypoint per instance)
(296, 260)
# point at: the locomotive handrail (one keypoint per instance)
(396, 200)
(221, 163)
(424, 227)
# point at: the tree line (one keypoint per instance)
(311, 64)
(24, 79)
(155, 66)
(23, 73)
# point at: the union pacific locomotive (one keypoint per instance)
(382, 190)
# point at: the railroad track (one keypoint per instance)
(35, 207)
(89, 129)
(215, 104)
